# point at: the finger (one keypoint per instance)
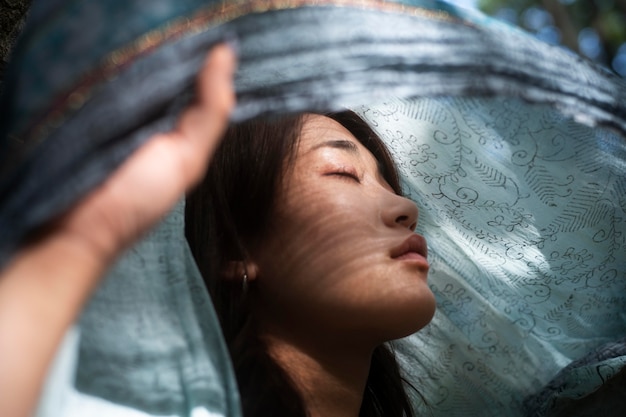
(201, 126)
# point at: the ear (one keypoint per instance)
(235, 270)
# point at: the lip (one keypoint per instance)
(413, 249)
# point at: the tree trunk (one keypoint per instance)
(563, 21)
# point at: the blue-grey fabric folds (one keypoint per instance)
(514, 151)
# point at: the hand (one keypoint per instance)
(158, 174)
(45, 285)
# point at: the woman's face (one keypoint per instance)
(340, 257)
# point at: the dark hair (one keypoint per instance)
(229, 211)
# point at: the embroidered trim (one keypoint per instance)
(73, 99)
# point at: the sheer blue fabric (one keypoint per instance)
(523, 211)
(150, 342)
(513, 150)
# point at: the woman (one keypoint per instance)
(317, 266)
(308, 250)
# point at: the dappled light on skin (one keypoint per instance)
(340, 219)
(339, 270)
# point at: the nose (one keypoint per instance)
(400, 211)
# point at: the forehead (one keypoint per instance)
(318, 130)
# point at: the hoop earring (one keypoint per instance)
(244, 284)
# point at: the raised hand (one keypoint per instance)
(44, 287)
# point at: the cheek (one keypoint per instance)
(326, 265)
(328, 216)
(309, 244)
(315, 240)
(331, 235)
(335, 275)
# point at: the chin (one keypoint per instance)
(417, 323)
(418, 308)
(406, 318)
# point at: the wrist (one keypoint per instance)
(49, 280)
(42, 291)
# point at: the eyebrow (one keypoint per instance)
(339, 144)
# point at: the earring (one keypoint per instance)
(244, 285)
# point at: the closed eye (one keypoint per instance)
(346, 173)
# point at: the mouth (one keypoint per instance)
(414, 249)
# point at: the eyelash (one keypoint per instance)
(346, 172)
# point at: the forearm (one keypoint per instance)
(45, 286)
(41, 293)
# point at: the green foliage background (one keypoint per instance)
(593, 28)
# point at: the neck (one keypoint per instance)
(331, 380)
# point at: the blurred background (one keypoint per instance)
(595, 29)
